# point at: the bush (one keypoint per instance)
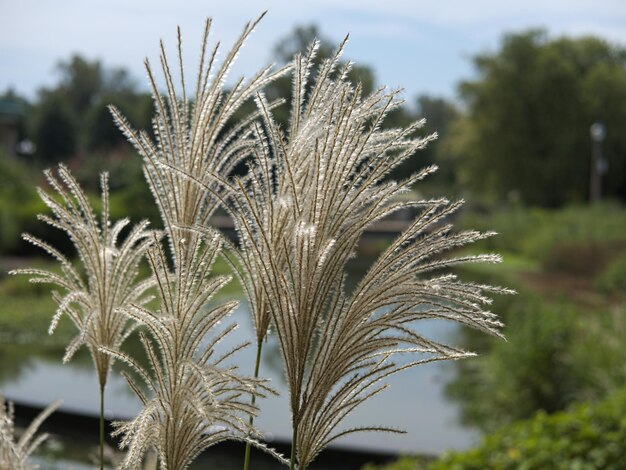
(584, 258)
(578, 238)
(587, 436)
(17, 197)
(534, 370)
(613, 278)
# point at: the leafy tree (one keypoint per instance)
(87, 87)
(439, 114)
(298, 41)
(302, 37)
(102, 133)
(529, 112)
(55, 131)
(81, 82)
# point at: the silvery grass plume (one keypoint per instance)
(197, 399)
(300, 212)
(106, 279)
(14, 454)
(197, 132)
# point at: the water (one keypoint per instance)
(415, 401)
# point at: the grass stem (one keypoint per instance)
(101, 427)
(294, 440)
(246, 461)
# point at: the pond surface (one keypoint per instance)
(415, 401)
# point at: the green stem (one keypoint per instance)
(101, 427)
(294, 439)
(246, 460)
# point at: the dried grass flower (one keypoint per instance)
(14, 454)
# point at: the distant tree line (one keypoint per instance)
(519, 132)
(525, 131)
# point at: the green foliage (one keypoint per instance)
(565, 343)
(102, 133)
(613, 278)
(526, 133)
(541, 234)
(536, 369)
(81, 80)
(72, 117)
(25, 312)
(439, 114)
(54, 129)
(15, 185)
(587, 436)
(130, 196)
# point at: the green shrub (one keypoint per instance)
(582, 258)
(558, 351)
(613, 278)
(535, 369)
(577, 238)
(587, 436)
(513, 225)
(16, 193)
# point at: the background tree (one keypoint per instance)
(439, 114)
(102, 134)
(82, 94)
(528, 116)
(54, 128)
(81, 81)
(298, 41)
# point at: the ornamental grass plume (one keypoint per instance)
(310, 193)
(193, 399)
(200, 134)
(14, 453)
(91, 293)
(196, 400)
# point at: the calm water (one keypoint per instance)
(415, 401)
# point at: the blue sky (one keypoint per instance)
(423, 46)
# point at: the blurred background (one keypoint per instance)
(529, 101)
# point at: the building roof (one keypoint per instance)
(11, 108)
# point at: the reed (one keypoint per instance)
(196, 399)
(310, 193)
(14, 451)
(92, 292)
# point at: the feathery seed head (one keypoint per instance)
(91, 294)
(195, 400)
(310, 194)
(14, 453)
